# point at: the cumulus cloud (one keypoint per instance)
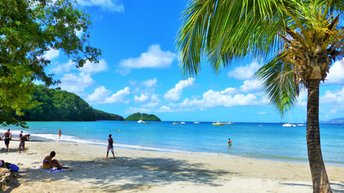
(51, 54)
(99, 94)
(153, 58)
(174, 94)
(251, 85)
(76, 83)
(111, 5)
(213, 98)
(141, 98)
(334, 97)
(245, 72)
(90, 67)
(336, 74)
(119, 96)
(63, 68)
(150, 83)
(103, 95)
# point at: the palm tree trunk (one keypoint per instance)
(320, 180)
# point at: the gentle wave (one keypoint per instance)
(69, 138)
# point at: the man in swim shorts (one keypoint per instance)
(7, 137)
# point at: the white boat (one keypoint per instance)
(196, 122)
(175, 123)
(141, 121)
(288, 125)
(300, 125)
(182, 123)
(217, 123)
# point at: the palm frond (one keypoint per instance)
(278, 79)
(224, 29)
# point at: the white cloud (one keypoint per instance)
(76, 83)
(213, 98)
(51, 54)
(141, 98)
(174, 94)
(99, 94)
(336, 74)
(153, 58)
(102, 95)
(62, 68)
(333, 97)
(245, 72)
(302, 99)
(150, 83)
(119, 96)
(90, 67)
(251, 85)
(111, 5)
(165, 108)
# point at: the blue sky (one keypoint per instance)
(139, 71)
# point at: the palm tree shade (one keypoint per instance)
(300, 39)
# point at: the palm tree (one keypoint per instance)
(300, 39)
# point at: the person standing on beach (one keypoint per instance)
(59, 133)
(110, 147)
(21, 142)
(8, 136)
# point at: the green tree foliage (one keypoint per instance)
(57, 105)
(28, 29)
(300, 39)
(142, 116)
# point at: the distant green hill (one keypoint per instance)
(58, 105)
(144, 117)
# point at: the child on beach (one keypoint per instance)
(110, 147)
(8, 136)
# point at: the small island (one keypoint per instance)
(142, 116)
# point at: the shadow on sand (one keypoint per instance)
(336, 187)
(129, 173)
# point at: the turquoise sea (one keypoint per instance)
(258, 140)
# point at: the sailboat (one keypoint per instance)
(141, 121)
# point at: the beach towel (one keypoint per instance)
(54, 170)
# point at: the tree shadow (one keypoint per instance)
(129, 173)
(336, 187)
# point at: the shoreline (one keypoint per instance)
(152, 171)
(37, 138)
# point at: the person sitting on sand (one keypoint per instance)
(110, 147)
(8, 136)
(49, 162)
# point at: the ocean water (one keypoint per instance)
(257, 140)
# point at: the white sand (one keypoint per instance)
(157, 172)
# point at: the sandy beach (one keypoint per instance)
(153, 172)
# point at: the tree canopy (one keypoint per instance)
(28, 29)
(59, 105)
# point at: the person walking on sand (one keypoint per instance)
(7, 137)
(21, 142)
(59, 133)
(110, 147)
